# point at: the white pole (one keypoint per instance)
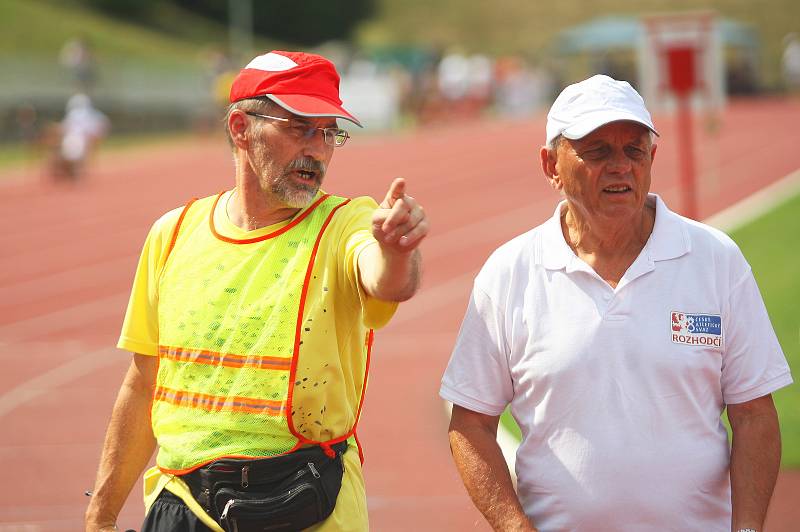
(240, 15)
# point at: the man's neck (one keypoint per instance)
(249, 208)
(608, 246)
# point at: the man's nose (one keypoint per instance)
(619, 161)
(315, 145)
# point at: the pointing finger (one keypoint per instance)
(398, 214)
(396, 191)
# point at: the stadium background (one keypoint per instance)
(70, 250)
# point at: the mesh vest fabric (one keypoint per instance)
(233, 379)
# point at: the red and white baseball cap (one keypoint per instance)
(304, 84)
(589, 104)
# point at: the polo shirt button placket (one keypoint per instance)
(608, 299)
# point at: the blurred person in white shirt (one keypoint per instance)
(80, 132)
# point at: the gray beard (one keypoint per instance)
(293, 195)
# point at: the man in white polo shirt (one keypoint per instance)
(618, 332)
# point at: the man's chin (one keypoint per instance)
(299, 199)
(294, 193)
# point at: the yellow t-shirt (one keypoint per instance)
(355, 311)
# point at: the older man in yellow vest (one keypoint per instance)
(251, 322)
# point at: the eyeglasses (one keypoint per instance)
(333, 136)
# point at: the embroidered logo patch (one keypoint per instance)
(696, 329)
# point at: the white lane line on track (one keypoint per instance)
(429, 299)
(435, 297)
(58, 376)
(82, 315)
(71, 278)
(757, 204)
(437, 245)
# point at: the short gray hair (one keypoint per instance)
(262, 105)
(554, 142)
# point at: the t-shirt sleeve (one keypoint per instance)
(478, 376)
(356, 237)
(753, 364)
(140, 327)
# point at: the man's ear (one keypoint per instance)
(548, 157)
(237, 125)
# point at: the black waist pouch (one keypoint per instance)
(287, 492)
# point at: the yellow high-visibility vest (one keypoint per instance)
(232, 318)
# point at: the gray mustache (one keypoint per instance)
(309, 164)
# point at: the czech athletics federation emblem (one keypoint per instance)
(696, 329)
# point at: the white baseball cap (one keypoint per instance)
(589, 104)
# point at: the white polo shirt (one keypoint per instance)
(618, 392)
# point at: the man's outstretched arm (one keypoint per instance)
(128, 446)
(473, 442)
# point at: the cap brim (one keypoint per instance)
(597, 120)
(304, 105)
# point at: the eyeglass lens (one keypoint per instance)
(333, 136)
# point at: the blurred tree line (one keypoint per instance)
(302, 22)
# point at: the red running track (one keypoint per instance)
(69, 252)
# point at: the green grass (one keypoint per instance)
(172, 55)
(37, 29)
(40, 28)
(772, 246)
(16, 155)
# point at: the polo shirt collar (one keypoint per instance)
(670, 236)
(669, 239)
(554, 253)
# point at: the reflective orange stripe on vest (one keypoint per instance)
(217, 403)
(230, 360)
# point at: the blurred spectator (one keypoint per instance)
(741, 77)
(453, 75)
(372, 93)
(77, 57)
(26, 118)
(615, 65)
(465, 84)
(481, 76)
(76, 137)
(519, 89)
(219, 71)
(790, 62)
(26, 130)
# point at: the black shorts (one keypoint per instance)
(170, 514)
